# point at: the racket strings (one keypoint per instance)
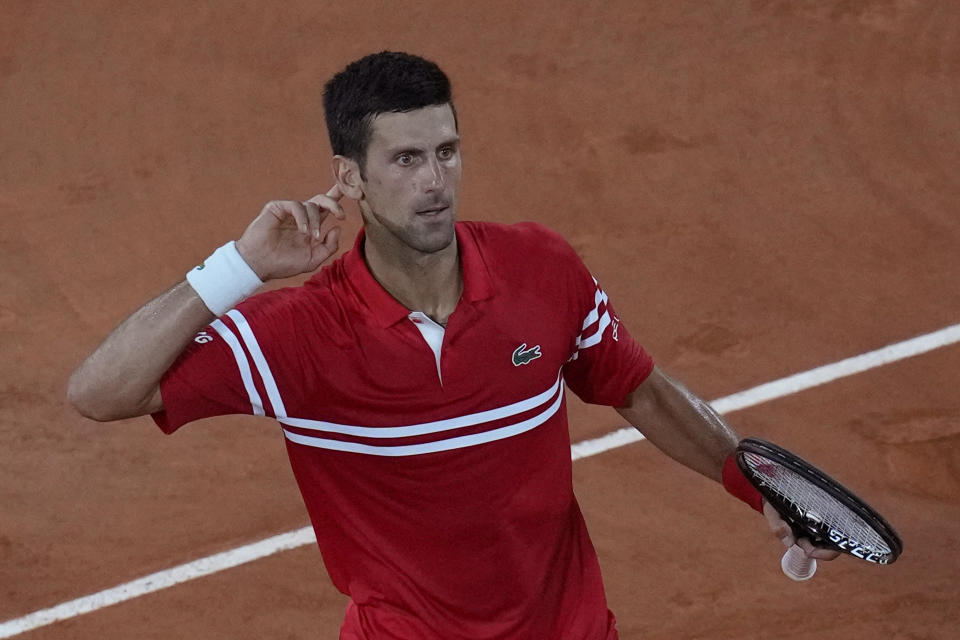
(814, 504)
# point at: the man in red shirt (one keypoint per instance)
(419, 380)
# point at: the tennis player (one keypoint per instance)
(419, 379)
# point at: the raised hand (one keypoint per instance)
(284, 239)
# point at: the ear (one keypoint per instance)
(347, 173)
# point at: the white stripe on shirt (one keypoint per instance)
(436, 426)
(279, 411)
(434, 446)
(598, 336)
(598, 298)
(602, 321)
(245, 375)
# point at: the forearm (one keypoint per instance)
(121, 378)
(680, 424)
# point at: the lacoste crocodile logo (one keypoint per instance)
(522, 355)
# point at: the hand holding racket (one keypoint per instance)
(799, 562)
(820, 512)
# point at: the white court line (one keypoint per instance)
(790, 385)
(159, 580)
(300, 537)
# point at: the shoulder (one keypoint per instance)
(271, 308)
(316, 301)
(532, 238)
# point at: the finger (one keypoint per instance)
(283, 208)
(825, 554)
(313, 218)
(785, 535)
(778, 525)
(332, 240)
(327, 203)
(820, 553)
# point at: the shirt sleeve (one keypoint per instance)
(606, 363)
(221, 372)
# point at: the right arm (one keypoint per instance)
(121, 378)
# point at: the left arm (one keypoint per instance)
(688, 430)
(680, 424)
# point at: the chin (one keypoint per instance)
(434, 242)
(435, 246)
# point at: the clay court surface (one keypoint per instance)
(762, 187)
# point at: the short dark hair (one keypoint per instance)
(385, 82)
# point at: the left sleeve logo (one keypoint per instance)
(522, 355)
(203, 338)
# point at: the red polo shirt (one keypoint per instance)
(438, 480)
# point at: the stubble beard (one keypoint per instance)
(422, 235)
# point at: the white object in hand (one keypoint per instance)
(797, 565)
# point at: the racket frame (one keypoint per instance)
(818, 532)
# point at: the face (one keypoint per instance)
(411, 180)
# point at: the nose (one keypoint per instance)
(436, 176)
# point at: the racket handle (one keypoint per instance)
(796, 565)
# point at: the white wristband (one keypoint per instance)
(224, 279)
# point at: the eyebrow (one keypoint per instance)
(454, 141)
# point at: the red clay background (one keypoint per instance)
(761, 186)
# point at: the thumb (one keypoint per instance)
(332, 240)
(778, 525)
(329, 246)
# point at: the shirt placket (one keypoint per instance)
(433, 334)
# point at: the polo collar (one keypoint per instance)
(385, 309)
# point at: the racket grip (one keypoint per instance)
(796, 565)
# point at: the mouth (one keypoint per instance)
(433, 210)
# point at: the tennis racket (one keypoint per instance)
(816, 507)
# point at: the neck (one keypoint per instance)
(431, 283)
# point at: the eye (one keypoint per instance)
(405, 159)
(446, 153)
